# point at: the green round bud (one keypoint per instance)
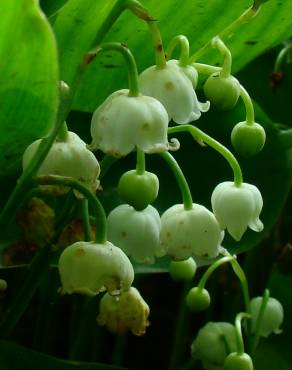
(198, 299)
(248, 140)
(272, 318)
(138, 190)
(236, 361)
(183, 270)
(223, 92)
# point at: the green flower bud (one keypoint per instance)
(138, 190)
(237, 207)
(128, 312)
(236, 361)
(173, 87)
(186, 233)
(89, 268)
(183, 270)
(69, 158)
(223, 92)
(248, 140)
(272, 318)
(136, 232)
(211, 343)
(123, 122)
(198, 299)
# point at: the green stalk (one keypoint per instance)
(85, 219)
(181, 180)
(238, 332)
(62, 133)
(101, 227)
(183, 42)
(140, 163)
(248, 106)
(211, 269)
(257, 336)
(243, 18)
(201, 136)
(223, 49)
(282, 56)
(158, 45)
(130, 62)
(206, 69)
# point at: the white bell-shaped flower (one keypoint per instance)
(128, 312)
(173, 86)
(89, 268)
(272, 318)
(136, 232)
(69, 158)
(123, 122)
(186, 233)
(237, 207)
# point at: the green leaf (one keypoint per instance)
(199, 21)
(28, 81)
(79, 26)
(14, 357)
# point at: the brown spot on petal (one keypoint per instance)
(80, 252)
(169, 85)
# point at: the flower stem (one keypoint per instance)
(238, 332)
(158, 45)
(211, 269)
(101, 227)
(227, 62)
(130, 62)
(62, 133)
(282, 56)
(206, 69)
(248, 105)
(85, 219)
(201, 136)
(259, 321)
(140, 164)
(243, 18)
(181, 180)
(183, 42)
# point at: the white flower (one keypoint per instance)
(69, 158)
(272, 318)
(136, 232)
(127, 312)
(186, 233)
(237, 207)
(89, 268)
(123, 122)
(173, 87)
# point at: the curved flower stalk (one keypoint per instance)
(172, 85)
(237, 207)
(123, 122)
(193, 232)
(128, 312)
(69, 157)
(136, 232)
(89, 268)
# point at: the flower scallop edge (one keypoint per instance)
(237, 207)
(89, 268)
(186, 233)
(123, 122)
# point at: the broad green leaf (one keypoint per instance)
(14, 357)
(199, 21)
(28, 81)
(79, 26)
